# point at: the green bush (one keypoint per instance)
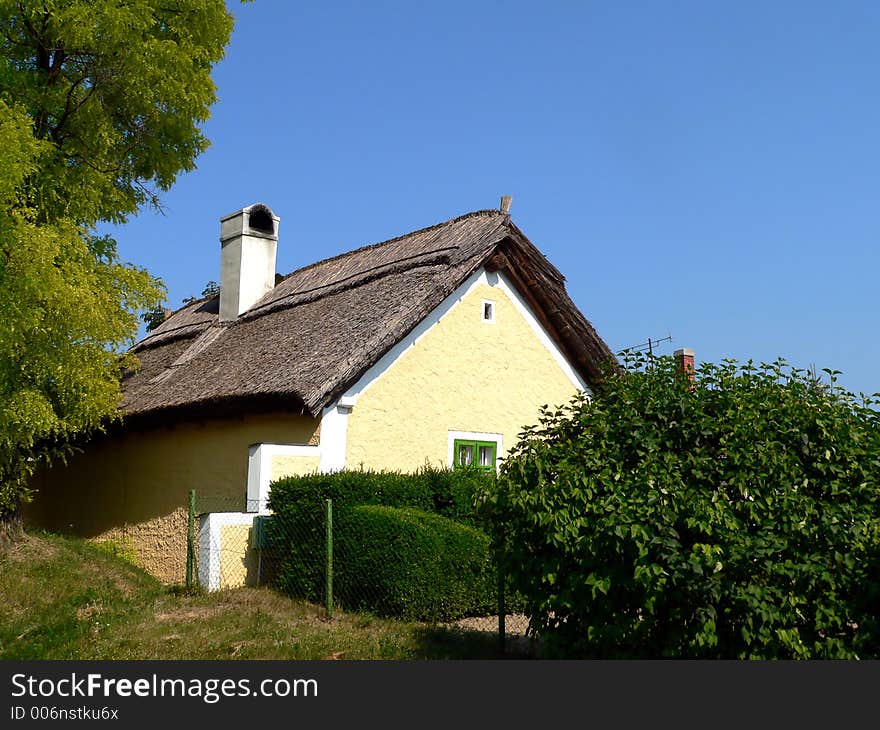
(410, 564)
(734, 517)
(405, 544)
(390, 561)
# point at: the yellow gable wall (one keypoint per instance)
(135, 485)
(464, 374)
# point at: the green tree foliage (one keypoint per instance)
(157, 314)
(212, 289)
(100, 107)
(119, 89)
(736, 517)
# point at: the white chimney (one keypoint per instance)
(248, 245)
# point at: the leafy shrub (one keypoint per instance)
(737, 516)
(295, 536)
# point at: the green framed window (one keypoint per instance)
(480, 454)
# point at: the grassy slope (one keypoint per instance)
(63, 598)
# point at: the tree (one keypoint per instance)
(119, 89)
(735, 517)
(100, 109)
(156, 315)
(212, 289)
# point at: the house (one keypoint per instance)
(434, 347)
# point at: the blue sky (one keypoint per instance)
(702, 170)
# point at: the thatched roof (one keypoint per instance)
(306, 341)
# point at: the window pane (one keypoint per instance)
(465, 454)
(487, 456)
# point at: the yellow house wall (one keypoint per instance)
(464, 374)
(288, 466)
(135, 485)
(238, 559)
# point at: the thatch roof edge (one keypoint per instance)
(214, 408)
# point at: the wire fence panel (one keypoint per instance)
(390, 562)
(224, 552)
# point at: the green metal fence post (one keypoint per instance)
(502, 609)
(259, 540)
(329, 588)
(191, 540)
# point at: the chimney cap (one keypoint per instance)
(684, 352)
(256, 220)
(248, 209)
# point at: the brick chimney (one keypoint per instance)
(684, 362)
(248, 246)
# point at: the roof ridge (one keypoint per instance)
(439, 256)
(472, 214)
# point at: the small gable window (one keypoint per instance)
(488, 310)
(480, 454)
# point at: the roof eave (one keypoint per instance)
(215, 409)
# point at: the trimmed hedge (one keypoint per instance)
(405, 545)
(445, 492)
(411, 564)
(392, 561)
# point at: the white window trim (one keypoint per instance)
(496, 438)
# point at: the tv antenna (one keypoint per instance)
(648, 346)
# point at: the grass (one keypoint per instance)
(65, 598)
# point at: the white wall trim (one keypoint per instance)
(526, 311)
(474, 436)
(260, 470)
(334, 435)
(211, 543)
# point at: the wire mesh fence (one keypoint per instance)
(396, 563)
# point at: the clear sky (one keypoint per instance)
(702, 170)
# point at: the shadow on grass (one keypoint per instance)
(441, 642)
